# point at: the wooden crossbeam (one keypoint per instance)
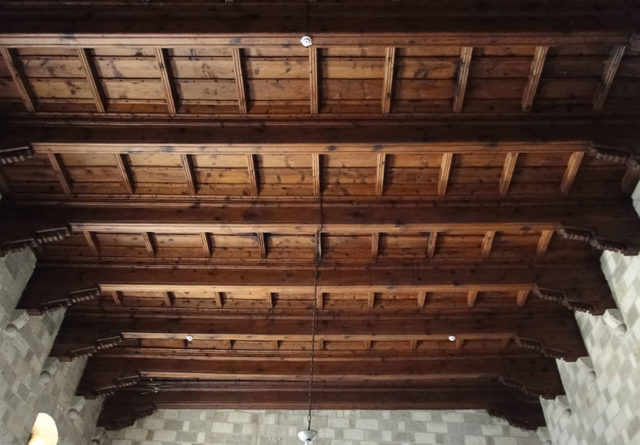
(167, 82)
(238, 69)
(187, 165)
(462, 77)
(510, 161)
(92, 241)
(380, 170)
(217, 296)
(472, 296)
(608, 74)
(422, 299)
(262, 246)
(387, 86)
(149, 243)
(313, 80)
(206, 244)
(84, 55)
(253, 175)
(445, 169)
(122, 162)
(19, 79)
(543, 242)
(610, 225)
(61, 173)
(522, 297)
(117, 297)
(317, 174)
(571, 171)
(390, 137)
(487, 243)
(535, 73)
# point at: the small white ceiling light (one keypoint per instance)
(306, 41)
(189, 338)
(307, 436)
(452, 338)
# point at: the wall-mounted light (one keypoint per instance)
(452, 338)
(306, 41)
(189, 338)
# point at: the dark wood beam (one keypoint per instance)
(576, 287)
(608, 75)
(605, 226)
(357, 24)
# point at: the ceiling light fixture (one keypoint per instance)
(452, 338)
(189, 338)
(306, 41)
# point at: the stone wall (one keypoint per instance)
(199, 427)
(30, 381)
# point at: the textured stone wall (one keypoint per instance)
(604, 409)
(196, 427)
(25, 389)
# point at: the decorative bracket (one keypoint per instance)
(561, 298)
(537, 345)
(16, 154)
(71, 298)
(590, 237)
(99, 345)
(118, 383)
(37, 239)
(614, 155)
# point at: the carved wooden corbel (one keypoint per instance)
(590, 237)
(524, 388)
(15, 154)
(560, 297)
(615, 155)
(99, 345)
(117, 383)
(71, 298)
(539, 346)
(35, 240)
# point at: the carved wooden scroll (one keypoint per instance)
(539, 346)
(16, 154)
(35, 240)
(99, 345)
(590, 237)
(560, 297)
(525, 388)
(71, 298)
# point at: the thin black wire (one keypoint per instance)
(314, 315)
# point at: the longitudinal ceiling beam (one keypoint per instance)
(380, 23)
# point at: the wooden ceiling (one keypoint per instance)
(439, 184)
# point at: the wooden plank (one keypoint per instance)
(122, 162)
(206, 244)
(217, 296)
(270, 300)
(239, 73)
(387, 88)
(543, 243)
(320, 300)
(253, 175)
(570, 173)
(462, 77)
(313, 80)
(19, 79)
(187, 164)
(90, 237)
(167, 81)
(522, 297)
(371, 301)
(375, 245)
(431, 246)
(262, 245)
(150, 244)
(61, 174)
(380, 170)
(422, 299)
(487, 243)
(472, 296)
(317, 174)
(84, 55)
(117, 298)
(169, 299)
(608, 74)
(510, 161)
(535, 74)
(445, 169)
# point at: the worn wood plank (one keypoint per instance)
(206, 244)
(150, 243)
(487, 243)
(187, 164)
(445, 170)
(510, 161)
(535, 73)
(122, 162)
(387, 86)
(262, 246)
(313, 80)
(317, 174)
(380, 171)
(431, 246)
(167, 81)
(253, 175)
(84, 55)
(19, 79)
(61, 173)
(608, 75)
(375, 245)
(238, 69)
(462, 77)
(543, 243)
(570, 173)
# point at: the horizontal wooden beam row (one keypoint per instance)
(577, 287)
(330, 24)
(141, 400)
(84, 335)
(535, 375)
(605, 226)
